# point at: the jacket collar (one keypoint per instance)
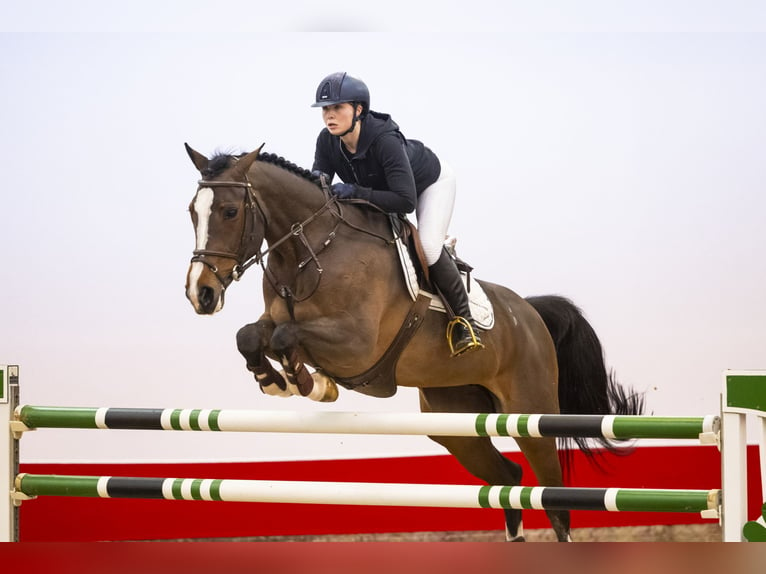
(374, 125)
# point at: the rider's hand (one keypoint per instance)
(344, 190)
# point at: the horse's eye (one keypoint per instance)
(230, 213)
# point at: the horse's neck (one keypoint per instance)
(287, 201)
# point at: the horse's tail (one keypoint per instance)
(585, 385)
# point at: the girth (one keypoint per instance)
(382, 375)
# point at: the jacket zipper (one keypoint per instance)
(348, 161)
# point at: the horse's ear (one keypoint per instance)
(199, 160)
(246, 161)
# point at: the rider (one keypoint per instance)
(377, 163)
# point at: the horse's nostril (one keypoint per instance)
(206, 296)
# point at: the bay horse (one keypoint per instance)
(335, 300)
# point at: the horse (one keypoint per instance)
(336, 312)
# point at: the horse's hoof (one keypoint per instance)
(518, 536)
(325, 390)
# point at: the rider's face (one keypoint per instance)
(338, 117)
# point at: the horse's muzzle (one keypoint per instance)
(206, 301)
(207, 297)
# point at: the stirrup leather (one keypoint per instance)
(467, 345)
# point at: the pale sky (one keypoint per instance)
(609, 152)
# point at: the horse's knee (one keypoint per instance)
(246, 339)
(284, 339)
(251, 339)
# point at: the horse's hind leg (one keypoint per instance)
(542, 455)
(476, 454)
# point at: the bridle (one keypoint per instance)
(243, 260)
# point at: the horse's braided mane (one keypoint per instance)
(221, 161)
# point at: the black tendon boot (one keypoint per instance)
(462, 334)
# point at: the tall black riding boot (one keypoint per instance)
(462, 334)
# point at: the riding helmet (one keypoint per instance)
(339, 88)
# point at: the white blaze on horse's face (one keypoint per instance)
(203, 208)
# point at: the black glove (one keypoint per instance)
(344, 190)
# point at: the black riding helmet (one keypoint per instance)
(339, 88)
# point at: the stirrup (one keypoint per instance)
(468, 343)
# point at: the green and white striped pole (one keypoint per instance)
(372, 494)
(433, 424)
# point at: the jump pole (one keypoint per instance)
(371, 494)
(435, 424)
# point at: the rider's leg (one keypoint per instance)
(462, 332)
(434, 212)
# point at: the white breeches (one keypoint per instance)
(434, 213)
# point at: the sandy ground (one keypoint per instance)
(657, 533)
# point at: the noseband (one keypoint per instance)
(242, 259)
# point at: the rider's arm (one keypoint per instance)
(401, 195)
(322, 156)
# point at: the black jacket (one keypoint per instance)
(390, 171)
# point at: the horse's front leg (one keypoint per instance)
(285, 342)
(253, 341)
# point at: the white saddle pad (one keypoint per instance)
(481, 307)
